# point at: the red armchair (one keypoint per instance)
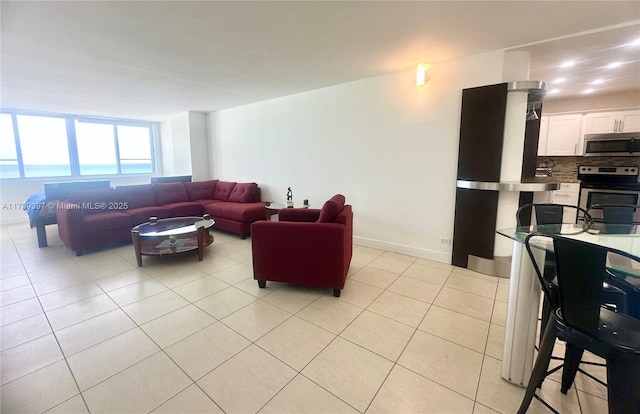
(310, 247)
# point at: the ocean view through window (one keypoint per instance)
(43, 145)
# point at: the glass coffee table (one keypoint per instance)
(172, 236)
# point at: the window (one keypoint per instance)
(44, 146)
(35, 145)
(96, 148)
(9, 167)
(135, 151)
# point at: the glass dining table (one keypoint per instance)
(524, 288)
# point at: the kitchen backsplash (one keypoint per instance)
(565, 169)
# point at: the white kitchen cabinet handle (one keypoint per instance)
(615, 126)
(621, 125)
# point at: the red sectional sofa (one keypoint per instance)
(96, 217)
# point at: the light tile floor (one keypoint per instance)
(96, 334)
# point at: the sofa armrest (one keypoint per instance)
(293, 250)
(299, 214)
(70, 224)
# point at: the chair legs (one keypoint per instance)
(572, 358)
(336, 292)
(262, 283)
(623, 383)
(540, 367)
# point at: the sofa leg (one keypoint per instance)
(78, 252)
(262, 283)
(336, 292)
(243, 236)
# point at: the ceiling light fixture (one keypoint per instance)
(554, 91)
(597, 82)
(590, 90)
(614, 65)
(559, 80)
(421, 75)
(568, 64)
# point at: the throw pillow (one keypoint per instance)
(243, 193)
(331, 208)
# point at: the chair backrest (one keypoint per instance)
(616, 213)
(581, 271)
(546, 289)
(547, 213)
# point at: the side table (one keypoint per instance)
(272, 208)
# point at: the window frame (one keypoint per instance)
(74, 156)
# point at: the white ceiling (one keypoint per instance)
(150, 59)
(592, 53)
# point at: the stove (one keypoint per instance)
(608, 185)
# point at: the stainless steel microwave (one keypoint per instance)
(621, 144)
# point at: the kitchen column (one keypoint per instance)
(496, 170)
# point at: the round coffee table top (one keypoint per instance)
(173, 226)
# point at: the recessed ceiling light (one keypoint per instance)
(597, 82)
(590, 90)
(554, 91)
(614, 65)
(568, 64)
(635, 42)
(559, 80)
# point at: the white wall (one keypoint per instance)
(390, 147)
(185, 147)
(166, 148)
(181, 140)
(199, 146)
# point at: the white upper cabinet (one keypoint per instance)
(612, 122)
(630, 121)
(563, 135)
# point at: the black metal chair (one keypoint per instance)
(618, 219)
(616, 213)
(549, 216)
(583, 322)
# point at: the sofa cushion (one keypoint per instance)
(201, 190)
(184, 209)
(95, 201)
(243, 193)
(142, 214)
(223, 190)
(169, 193)
(331, 208)
(106, 221)
(136, 196)
(243, 212)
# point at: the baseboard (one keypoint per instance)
(441, 257)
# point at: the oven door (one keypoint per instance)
(591, 196)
